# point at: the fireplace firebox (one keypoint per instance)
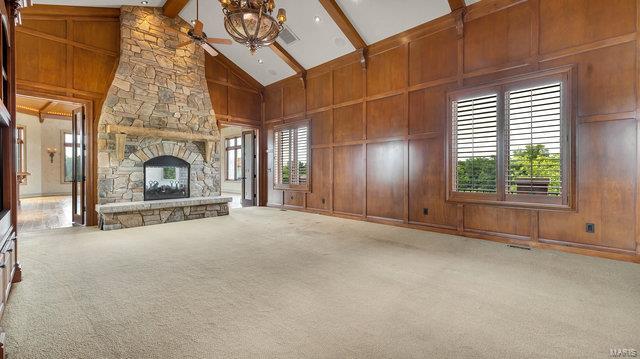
(166, 177)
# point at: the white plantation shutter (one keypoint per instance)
(291, 156)
(535, 140)
(475, 133)
(301, 155)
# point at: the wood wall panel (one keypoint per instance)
(56, 27)
(273, 103)
(607, 179)
(431, 57)
(348, 83)
(385, 179)
(606, 86)
(387, 149)
(100, 66)
(322, 125)
(568, 23)
(293, 198)
(348, 179)
(214, 70)
(46, 70)
(348, 123)
(234, 100)
(388, 71)
(498, 220)
(500, 38)
(293, 98)
(320, 196)
(319, 92)
(427, 184)
(428, 110)
(386, 117)
(243, 104)
(101, 34)
(218, 94)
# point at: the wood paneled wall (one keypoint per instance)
(235, 96)
(68, 53)
(378, 146)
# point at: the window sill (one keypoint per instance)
(292, 189)
(491, 200)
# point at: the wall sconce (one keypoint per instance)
(52, 152)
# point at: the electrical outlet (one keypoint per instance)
(591, 228)
(425, 211)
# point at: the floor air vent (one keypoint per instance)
(519, 246)
(288, 36)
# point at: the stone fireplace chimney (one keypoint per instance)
(156, 87)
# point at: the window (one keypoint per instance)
(511, 142)
(291, 156)
(21, 158)
(233, 150)
(68, 156)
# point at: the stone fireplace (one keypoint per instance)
(157, 130)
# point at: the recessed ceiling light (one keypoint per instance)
(260, 61)
(193, 22)
(317, 19)
(144, 2)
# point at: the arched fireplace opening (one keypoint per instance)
(166, 177)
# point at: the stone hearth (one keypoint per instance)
(145, 213)
(156, 86)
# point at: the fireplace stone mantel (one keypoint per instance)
(145, 213)
(121, 133)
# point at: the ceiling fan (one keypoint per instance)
(197, 36)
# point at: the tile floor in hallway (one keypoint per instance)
(40, 213)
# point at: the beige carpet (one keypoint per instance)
(263, 283)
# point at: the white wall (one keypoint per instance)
(46, 177)
(228, 186)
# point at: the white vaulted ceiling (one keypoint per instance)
(272, 68)
(378, 19)
(319, 41)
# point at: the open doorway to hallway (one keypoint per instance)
(45, 162)
(239, 160)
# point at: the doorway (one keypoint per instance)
(51, 150)
(239, 178)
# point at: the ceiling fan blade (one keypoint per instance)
(215, 40)
(208, 48)
(198, 27)
(183, 44)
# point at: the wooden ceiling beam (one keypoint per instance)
(344, 24)
(172, 8)
(286, 57)
(457, 5)
(43, 111)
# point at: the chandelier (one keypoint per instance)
(250, 22)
